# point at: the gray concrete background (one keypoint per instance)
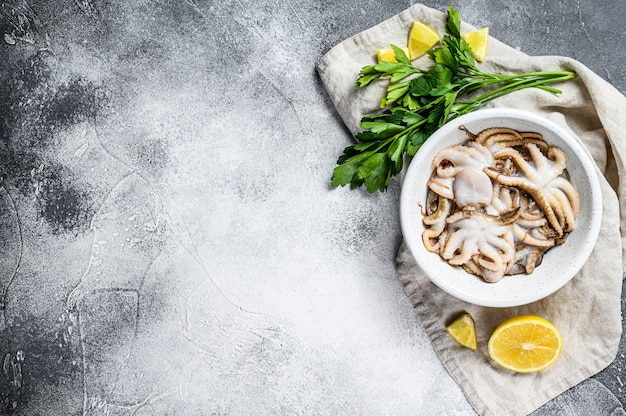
(170, 243)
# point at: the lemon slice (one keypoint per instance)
(478, 41)
(388, 55)
(463, 331)
(525, 344)
(422, 38)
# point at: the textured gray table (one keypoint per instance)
(170, 244)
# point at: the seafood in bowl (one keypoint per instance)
(501, 207)
(497, 202)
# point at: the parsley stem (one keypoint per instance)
(508, 77)
(534, 80)
(543, 78)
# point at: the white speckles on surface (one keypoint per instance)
(215, 270)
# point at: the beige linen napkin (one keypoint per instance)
(586, 310)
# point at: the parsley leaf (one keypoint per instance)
(453, 24)
(395, 71)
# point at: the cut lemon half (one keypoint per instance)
(525, 344)
(463, 331)
(478, 41)
(422, 38)
(388, 55)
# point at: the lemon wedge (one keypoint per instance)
(478, 41)
(388, 55)
(422, 38)
(463, 331)
(525, 344)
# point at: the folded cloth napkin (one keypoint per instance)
(586, 310)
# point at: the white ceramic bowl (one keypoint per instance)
(559, 265)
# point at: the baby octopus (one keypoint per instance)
(498, 202)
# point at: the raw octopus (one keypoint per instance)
(498, 202)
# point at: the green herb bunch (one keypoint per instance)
(419, 101)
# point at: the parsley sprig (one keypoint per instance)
(419, 101)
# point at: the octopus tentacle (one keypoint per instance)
(499, 141)
(529, 135)
(568, 216)
(470, 135)
(472, 267)
(537, 140)
(440, 213)
(436, 220)
(531, 222)
(529, 209)
(508, 217)
(557, 155)
(548, 209)
(519, 160)
(489, 258)
(458, 250)
(525, 235)
(441, 186)
(567, 189)
(505, 198)
(533, 258)
(485, 134)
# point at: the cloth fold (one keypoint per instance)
(587, 310)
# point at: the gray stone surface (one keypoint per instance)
(170, 243)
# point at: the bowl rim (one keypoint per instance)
(407, 201)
